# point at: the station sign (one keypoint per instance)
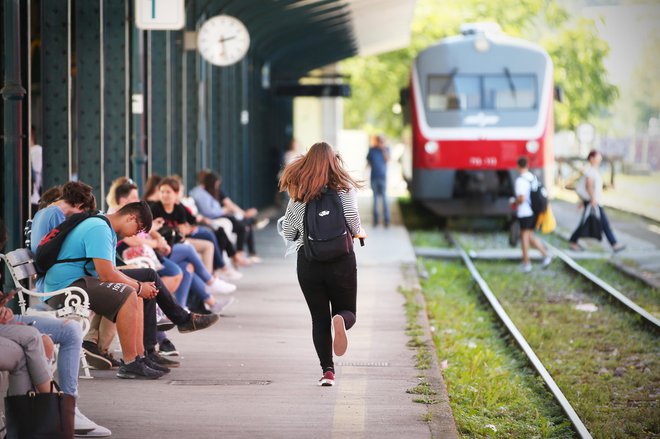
(160, 14)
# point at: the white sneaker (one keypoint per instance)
(261, 223)
(84, 427)
(546, 261)
(220, 304)
(526, 268)
(219, 286)
(228, 273)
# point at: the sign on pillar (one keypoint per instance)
(160, 14)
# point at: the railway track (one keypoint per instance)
(566, 406)
(629, 305)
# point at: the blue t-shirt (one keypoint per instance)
(44, 221)
(376, 159)
(90, 239)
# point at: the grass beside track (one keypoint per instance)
(606, 362)
(492, 390)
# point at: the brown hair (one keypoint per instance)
(78, 193)
(593, 153)
(50, 196)
(111, 198)
(209, 182)
(151, 185)
(171, 182)
(321, 166)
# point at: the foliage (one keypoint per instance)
(575, 48)
(646, 92)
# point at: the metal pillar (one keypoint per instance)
(88, 109)
(139, 121)
(13, 94)
(175, 54)
(115, 93)
(55, 82)
(160, 157)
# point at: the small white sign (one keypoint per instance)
(137, 104)
(160, 14)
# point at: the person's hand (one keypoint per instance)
(593, 203)
(6, 315)
(164, 248)
(157, 223)
(251, 212)
(149, 290)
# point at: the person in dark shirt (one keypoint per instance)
(377, 158)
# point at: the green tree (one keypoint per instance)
(575, 48)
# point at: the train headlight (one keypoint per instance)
(481, 44)
(532, 146)
(431, 147)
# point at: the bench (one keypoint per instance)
(20, 264)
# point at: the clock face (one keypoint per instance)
(223, 40)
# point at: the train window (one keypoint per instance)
(510, 92)
(454, 92)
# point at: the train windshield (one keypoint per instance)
(456, 92)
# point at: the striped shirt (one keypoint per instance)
(295, 214)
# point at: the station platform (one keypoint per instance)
(255, 373)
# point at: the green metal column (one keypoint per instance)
(139, 119)
(13, 94)
(115, 89)
(175, 54)
(88, 110)
(55, 91)
(160, 158)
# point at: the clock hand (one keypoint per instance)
(222, 40)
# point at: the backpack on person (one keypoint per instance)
(50, 245)
(326, 235)
(538, 196)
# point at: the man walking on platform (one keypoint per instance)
(377, 158)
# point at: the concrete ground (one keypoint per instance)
(254, 374)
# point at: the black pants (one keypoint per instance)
(164, 299)
(244, 233)
(329, 288)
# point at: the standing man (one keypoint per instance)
(526, 217)
(594, 189)
(377, 158)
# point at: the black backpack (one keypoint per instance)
(326, 235)
(50, 245)
(538, 197)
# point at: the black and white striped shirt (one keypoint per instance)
(293, 227)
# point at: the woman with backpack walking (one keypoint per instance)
(322, 219)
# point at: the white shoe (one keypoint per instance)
(339, 339)
(84, 427)
(261, 223)
(228, 273)
(546, 261)
(219, 286)
(526, 268)
(220, 304)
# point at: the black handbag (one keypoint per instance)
(40, 415)
(591, 226)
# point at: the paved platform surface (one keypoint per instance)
(254, 374)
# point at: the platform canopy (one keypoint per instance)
(296, 36)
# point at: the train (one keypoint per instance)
(476, 102)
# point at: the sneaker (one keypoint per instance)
(158, 359)
(546, 261)
(255, 259)
(340, 341)
(138, 370)
(328, 379)
(94, 356)
(526, 268)
(576, 247)
(167, 348)
(155, 366)
(228, 273)
(261, 223)
(196, 322)
(81, 423)
(108, 356)
(99, 431)
(165, 324)
(221, 304)
(619, 248)
(219, 286)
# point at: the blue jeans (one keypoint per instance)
(208, 235)
(67, 334)
(182, 255)
(379, 187)
(603, 221)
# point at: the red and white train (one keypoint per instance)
(476, 103)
